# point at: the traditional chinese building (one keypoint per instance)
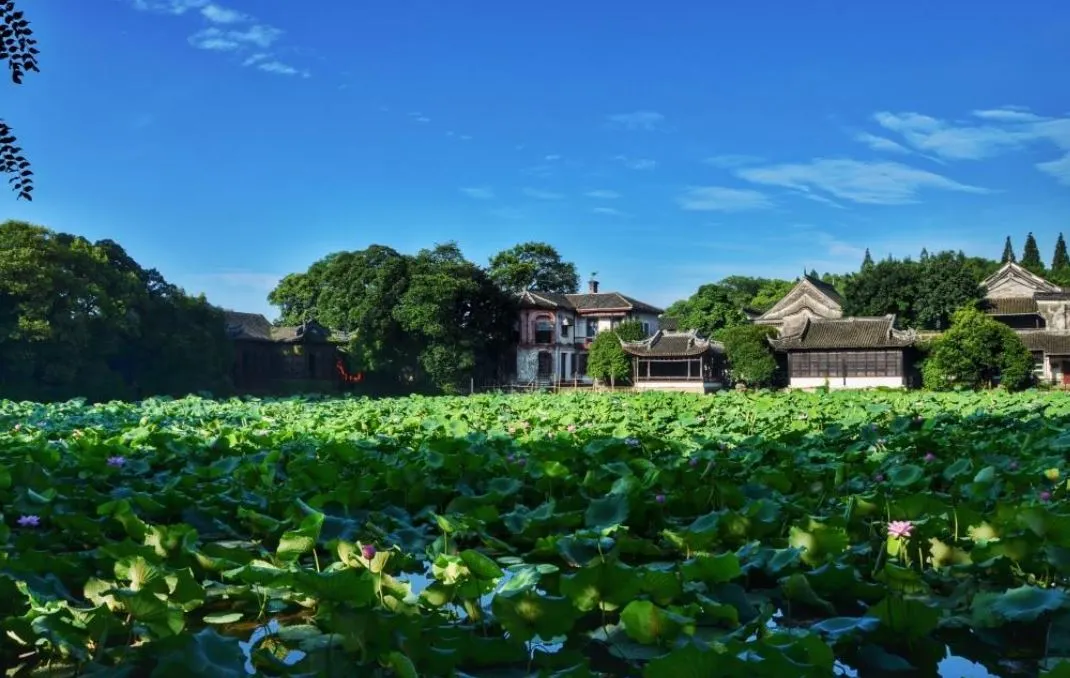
(270, 359)
(676, 361)
(849, 353)
(810, 298)
(1038, 311)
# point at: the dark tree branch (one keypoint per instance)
(18, 48)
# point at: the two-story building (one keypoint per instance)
(554, 331)
(1039, 312)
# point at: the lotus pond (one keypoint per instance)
(657, 535)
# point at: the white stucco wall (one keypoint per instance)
(849, 382)
(680, 386)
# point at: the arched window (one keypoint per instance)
(544, 330)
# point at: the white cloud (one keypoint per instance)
(267, 64)
(636, 163)
(1008, 114)
(420, 117)
(176, 7)
(964, 142)
(479, 192)
(552, 157)
(222, 15)
(603, 194)
(874, 183)
(637, 120)
(257, 35)
(243, 33)
(878, 143)
(730, 161)
(542, 195)
(609, 211)
(1060, 169)
(722, 199)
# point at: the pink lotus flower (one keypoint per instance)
(571, 428)
(930, 457)
(660, 498)
(116, 461)
(367, 551)
(879, 477)
(29, 521)
(1045, 496)
(900, 529)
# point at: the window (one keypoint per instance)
(646, 329)
(544, 331)
(592, 327)
(581, 364)
(564, 331)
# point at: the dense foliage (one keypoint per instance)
(606, 360)
(19, 50)
(533, 266)
(976, 353)
(429, 321)
(739, 535)
(84, 319)
(751, 360)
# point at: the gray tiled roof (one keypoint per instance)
(1052, 343)
(602, 301)
(826, 288)
(847, 333)
(671, 345)
(247, 326)
(1010, 306)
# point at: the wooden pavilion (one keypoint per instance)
(676, 361)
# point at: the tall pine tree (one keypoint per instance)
(924, 254)
(1061, 260)
(1008, 252)
(867, 261)
(1031, 255)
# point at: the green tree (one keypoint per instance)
(1008, 252)
(890, 286)
(84, 319)
(606, 360)
(20, 51)
(924, 254)
(867, 261)
(975, 352)
(946, 283)
(630, 330)
(1060, 260)
(1031, 256)
(533, 266)
(711, 308)
(751, 359)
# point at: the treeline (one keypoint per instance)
(79, 318)
(923, 293)
(428, 322)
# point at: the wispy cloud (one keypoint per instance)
(222, 15)
(1000, 130)
(610, 211)
(553, 157)
(879, 143)
(231, 31)
(266, 63)
(479, 192)
(636, 163)
(420, 117)
(542, 195)
(602, 194)
(723, 199)
(874, 183)
(637, 120)
(731, 161)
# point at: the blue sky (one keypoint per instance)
(230, 143)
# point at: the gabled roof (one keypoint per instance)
(671, 345)
(247, 326)
(846, 333)
(1047, 341)
(808, 288)
(1010, 306)
(586, 303)
(1013, 280)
